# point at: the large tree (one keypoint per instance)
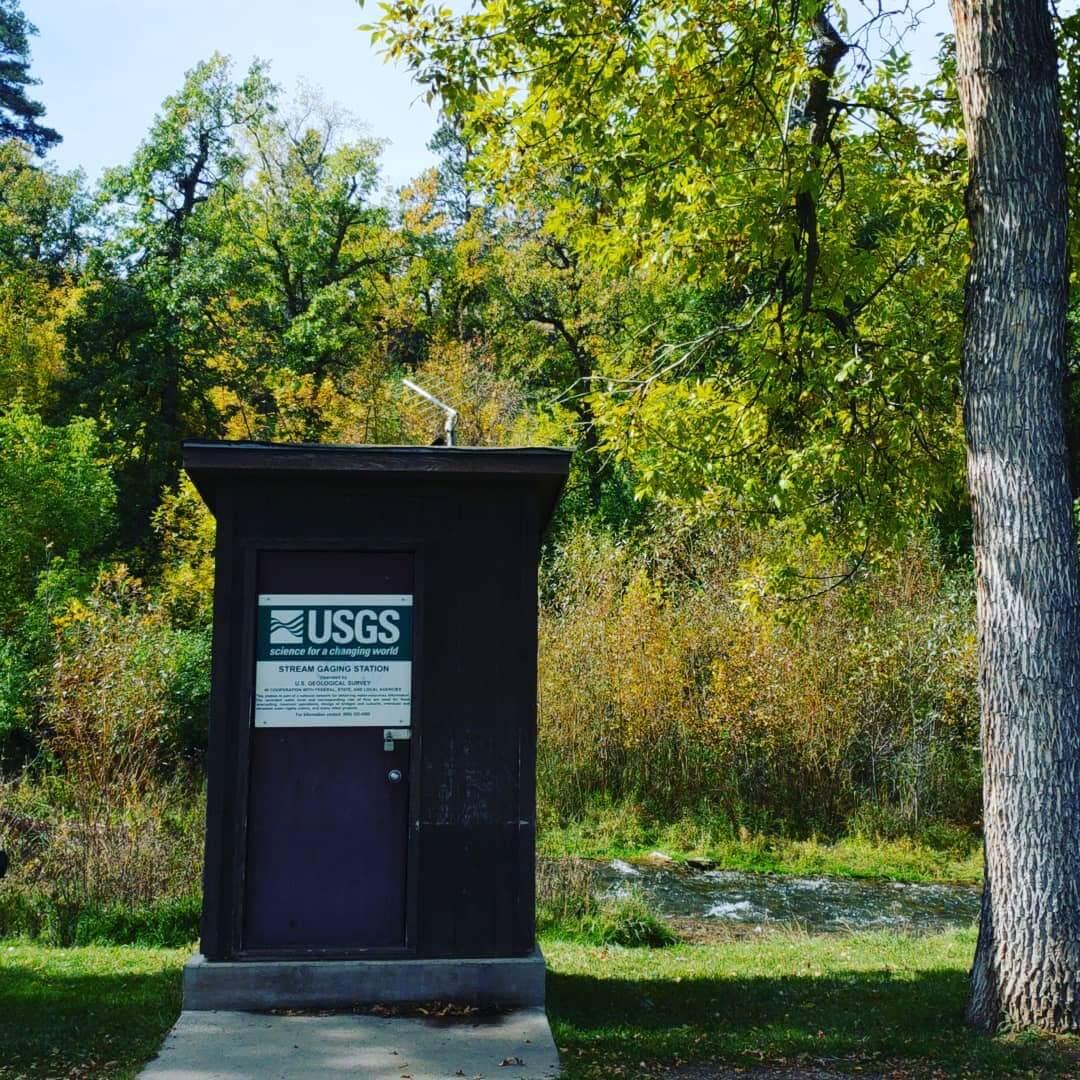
(727, 143)
(812, 222)
(141, 341)
(306, 253)
(42, 214)
(19, 115)
(1027, 964)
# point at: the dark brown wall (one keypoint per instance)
(472, 825)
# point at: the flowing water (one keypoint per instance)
(818, 904)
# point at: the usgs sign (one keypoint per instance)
(333, 660)
(342, 626)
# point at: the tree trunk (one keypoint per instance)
(1027, 962)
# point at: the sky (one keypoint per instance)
(106, 65)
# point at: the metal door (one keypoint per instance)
(327, 825)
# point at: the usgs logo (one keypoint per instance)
(342, 626)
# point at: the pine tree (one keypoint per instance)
(19, 115)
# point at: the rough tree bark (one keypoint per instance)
(1027, 962)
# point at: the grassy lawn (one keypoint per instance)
(864, 1003)
(94, 1011)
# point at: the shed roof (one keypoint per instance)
(210, 463)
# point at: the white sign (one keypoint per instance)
(333, 660)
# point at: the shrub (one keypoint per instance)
(186, 530)
(111, 820)
(55, 497)
(125, 874)
(26, 660)
(188, 704)
(16, 703)
(567, 905)
(565, 894)
(660, 685)
(629, 920)
(128, 694)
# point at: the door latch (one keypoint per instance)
(393, 735)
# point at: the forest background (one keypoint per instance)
(756, 599)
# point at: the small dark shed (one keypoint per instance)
(371, 764)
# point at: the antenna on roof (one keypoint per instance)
(451, 414)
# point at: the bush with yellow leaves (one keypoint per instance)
(661, 686)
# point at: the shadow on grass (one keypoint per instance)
(73, 1022)
(858, 1019)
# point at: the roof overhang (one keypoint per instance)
(213, 465)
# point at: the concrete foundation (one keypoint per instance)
(256, 985)
(257, 1046)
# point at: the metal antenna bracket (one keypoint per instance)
(451, 413)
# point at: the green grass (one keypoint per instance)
(867, 1002)
(625, 832)
(167, 923)
(97, 1011)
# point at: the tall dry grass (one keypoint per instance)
(111, 815)
(660, 685)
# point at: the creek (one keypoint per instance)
(817, 904)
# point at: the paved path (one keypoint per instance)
(260, 1046)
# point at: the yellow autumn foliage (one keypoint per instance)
(658, 685)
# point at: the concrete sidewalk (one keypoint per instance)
(260, 1046)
